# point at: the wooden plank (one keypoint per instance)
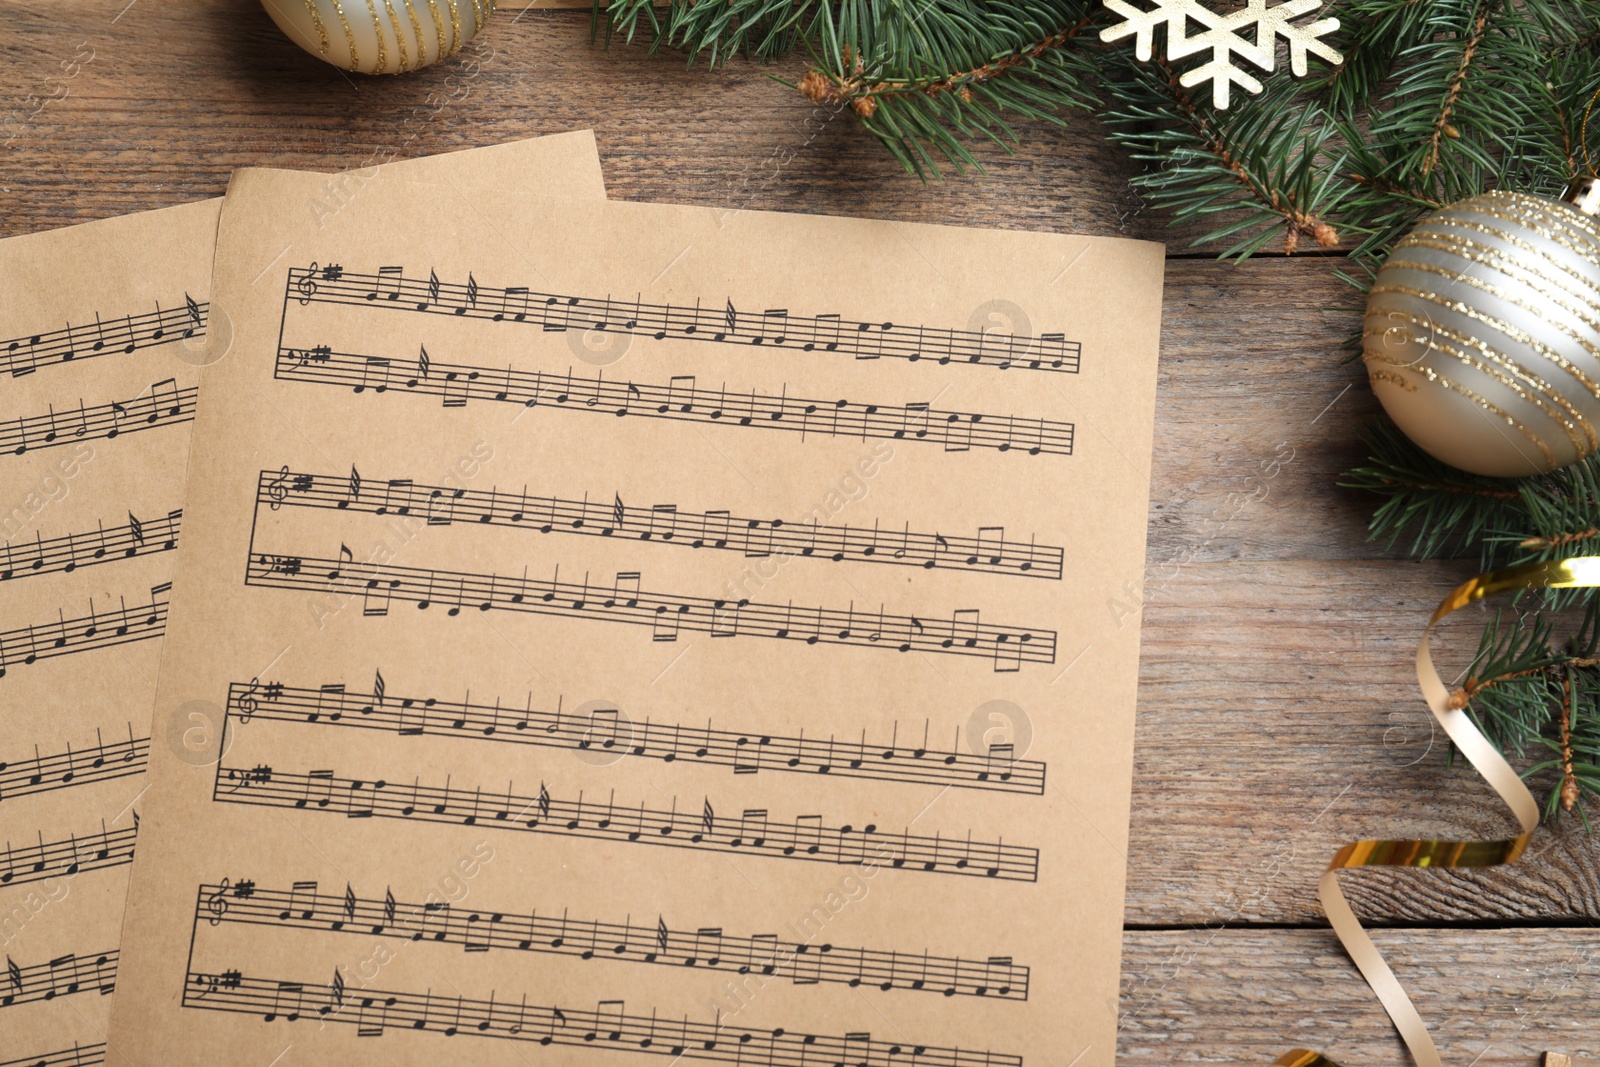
(1276, 674)
(176, 97)
(1256, 418)
(1491, 997)
(1279, 718)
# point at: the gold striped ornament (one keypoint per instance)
(1482, 332)
(380, 36)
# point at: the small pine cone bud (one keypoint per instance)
(1569, 792)
(1327, 236)
(1458, 700)
(1291, 241)
(864, 106)
(816, 87)
(965, 94)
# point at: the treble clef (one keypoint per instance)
(306, 285)
(277, 491)
(216, 905)
(247, 701)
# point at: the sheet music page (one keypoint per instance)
(649, 631)
(102, 331)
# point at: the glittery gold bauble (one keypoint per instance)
(1482, 332)
(380, 36)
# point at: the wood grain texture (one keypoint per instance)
(1278, 711)
(1494, 998)
(180, 93)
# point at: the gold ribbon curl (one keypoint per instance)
(1581, 572)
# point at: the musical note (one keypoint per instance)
(373, 1016)
(166, 401)
(805, 838)
(374, 375)
(386, 284)
(335, 994)
(683, 400)
(607, 1026)
(43, 774)
(63, 976)
(288, 998)
(996, 768)
(32, 432)
(67, 552)
(1006, 646)
(97, 630)
(25, 363)
(67, 856)
(46, 348)
(828, 332)
(513, 303)
(76, 1056)
(774, 327)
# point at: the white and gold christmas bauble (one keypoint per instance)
(380, 36)
(1482, 332)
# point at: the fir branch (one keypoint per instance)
(1372, 33)
(1265, 168)
(1215, 139)
(766, 29)
(1444, 510)
(1384, 187)
(1513, 683)
(1559, 542)
(951, 71)
(1569, 778)
(1575, 744)
(1441, 123)
(1465, 106)
(863, 98)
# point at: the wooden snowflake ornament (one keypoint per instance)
(1225, 36)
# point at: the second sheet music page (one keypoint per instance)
(102, 335)
(649, 631)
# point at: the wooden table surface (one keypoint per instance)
(1278, 713)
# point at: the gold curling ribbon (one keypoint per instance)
(1581, 572)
